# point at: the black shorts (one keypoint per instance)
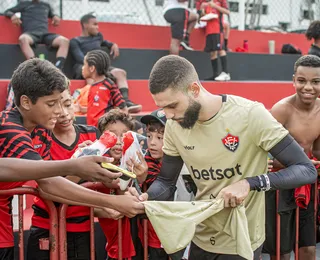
(178, 18)
(196, 253)
(7, 253)
(157, 254)
(214, 42)
(287, 226)
(42, 38)
(78, 245)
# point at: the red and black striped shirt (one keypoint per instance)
(154, 167)
(102, 97)
(17, 142)
(78, 217)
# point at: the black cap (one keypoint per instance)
(157, 115)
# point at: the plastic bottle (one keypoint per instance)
(42, 56)
(99, 147)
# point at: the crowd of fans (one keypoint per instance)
(39, 125)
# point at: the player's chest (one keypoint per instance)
(216, 144)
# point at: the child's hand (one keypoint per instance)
(140, 169)
(85, 144)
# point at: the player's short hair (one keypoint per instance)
(313, 32)
(155, 126)
(100, 60)
(112, 117)
(37, 78)
(307, 61)
(85, 19)
(172, 71)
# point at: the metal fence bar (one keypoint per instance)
(278, 232)
(120, 239)
(63, 249)
(54, 251)
(92, 246)
(21, 237)
(296, 249)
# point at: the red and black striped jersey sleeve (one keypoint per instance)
(41, 139)
(15, 140)
(154, 167)
(115, 96)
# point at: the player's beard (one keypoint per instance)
(191, 115)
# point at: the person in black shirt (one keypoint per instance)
(34, 25)
(313, 32)
(91, 39)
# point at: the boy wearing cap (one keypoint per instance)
(155, 125)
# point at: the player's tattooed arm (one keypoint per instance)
(164, 186)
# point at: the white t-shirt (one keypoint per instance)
(172, 4)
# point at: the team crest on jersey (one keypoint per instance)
(96, 98)
(231, 142)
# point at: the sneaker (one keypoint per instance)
(186, 46)
(223, 77)
(132, 107)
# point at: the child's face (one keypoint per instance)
(155, 143)
(86, 69)
(65, 121)
(45, 111)
(118, 128)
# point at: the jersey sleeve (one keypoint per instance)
(117, 99)
(16, 142)
(47, 146)
(169, 147)
(265, 130)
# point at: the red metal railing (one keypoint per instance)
(63, 226)
(63, 234)
(53, 239)
(58, 234)
(296, 247)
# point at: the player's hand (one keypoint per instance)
(270, 165)
(115, 50)
(129, 205)
(133, 192)
(56, 20)
(16, 20)
(235, 193)
(89, 168)
(139, 168)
